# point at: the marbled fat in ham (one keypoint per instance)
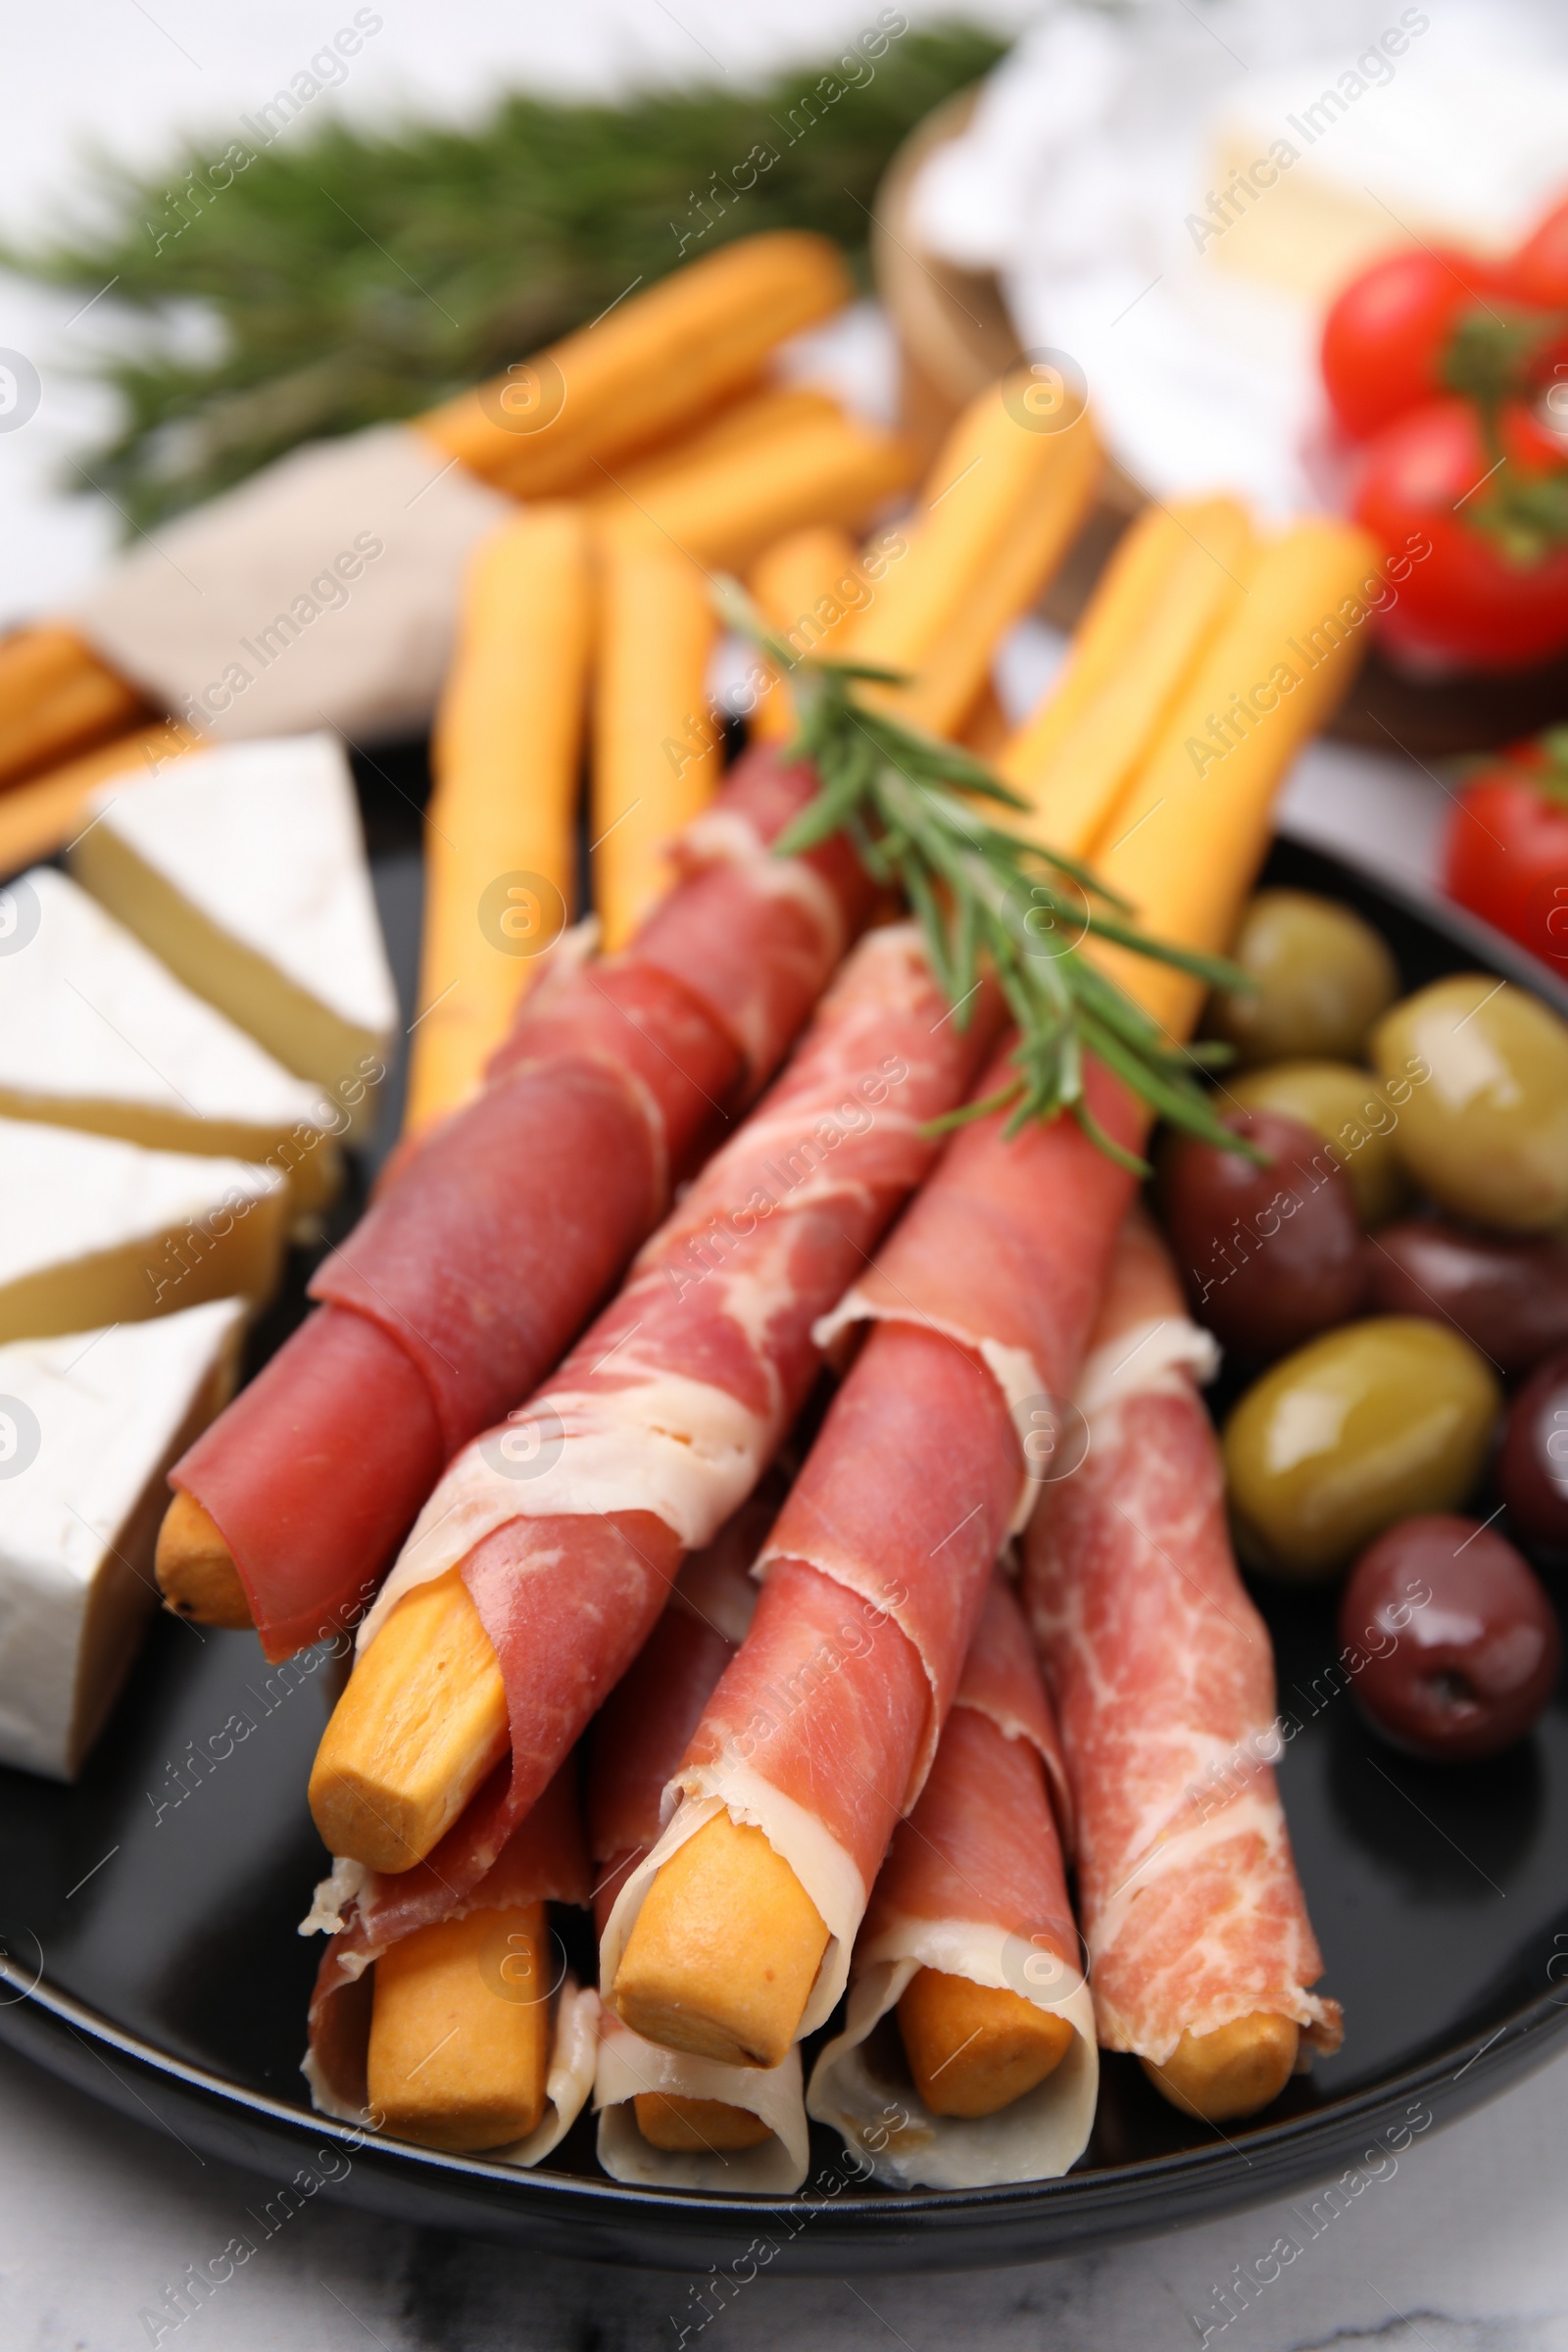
(491, 1243)
(1163, 1677)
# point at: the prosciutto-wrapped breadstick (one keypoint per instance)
(1200, 1950)
(734, 1935)
(540, 1563)
(464, 2029)
(968, 1955)
(489, 1246)
(667, 2119)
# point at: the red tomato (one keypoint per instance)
(1505, 854)
(1493, 594)
(1385, 338)
(1539, 271)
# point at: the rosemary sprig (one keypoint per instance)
(986, 897)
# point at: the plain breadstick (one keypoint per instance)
(1233, 2071)
(649, 369)
(499, 869)
(798, 586)
(57, 699)
(658, 752)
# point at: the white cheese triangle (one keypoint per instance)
(244, 870)
(95, 1032)
(96, 1231)
(89, 1424)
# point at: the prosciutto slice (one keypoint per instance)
(1163, 1677)
(571, 1521)
(823, 1729)
(974, 1885)
(638, 1740)
(546, 1860)
(492, 1241)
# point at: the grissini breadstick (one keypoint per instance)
(657, 750)
(57, 699)
(969, 1955)
(46, 812)
(1173, 577)
(996, 516)
(1257, 692)
(567, 1524)
(723, 507)
(798, 586)
(500, 876)
(462, 2029)
(652, 366)
(488, 1244)
(1200, 1950)
(667, 2120)
(1187, 888)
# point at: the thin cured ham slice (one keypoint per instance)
(973, 1886)
(638, 1740)
(546, 1860)
(492, 1239)
(571, 1521)
(823, 1729)
(1163, 1678)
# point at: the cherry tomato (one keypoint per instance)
(1539, 271)
(1493, 593)
(1506, 851)
(1459, 1645)
(1533, 1466)
(1269, 1255)
(1385, 338)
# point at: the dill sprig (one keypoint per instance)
(986, 897)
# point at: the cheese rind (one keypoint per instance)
(96, 1033)
(89, 1424)
(95, 1231)
(244, 870)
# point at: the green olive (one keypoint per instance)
(1323, 976)
(1351, 1112)
(1487, 1132)
(1370, 1424)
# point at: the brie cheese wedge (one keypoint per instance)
(89, 1425)
(244, 870)
(96, 1033)
(93, 1230)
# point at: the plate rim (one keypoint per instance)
(931, 2229)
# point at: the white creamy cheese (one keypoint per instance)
(95, 1032)
(244, 870)
(89, 1424)
(97, 1231)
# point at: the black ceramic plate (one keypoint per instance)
(152, 1957)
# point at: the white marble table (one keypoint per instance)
(1463, 2246)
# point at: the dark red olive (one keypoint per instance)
(1508, 1296)
(1533, 1466)
(1269, 1255)
(1450, 1641)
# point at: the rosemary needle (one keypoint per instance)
(915, 809)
